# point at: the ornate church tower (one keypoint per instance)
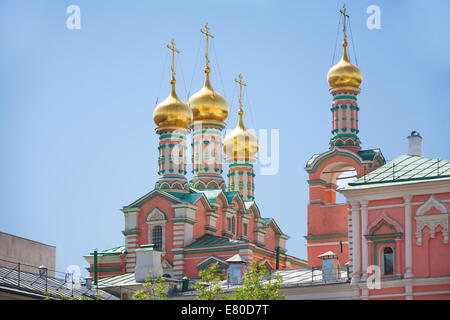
(329, 222)
(344, 79)
(210, 110)
(240, 148)
(172, 118)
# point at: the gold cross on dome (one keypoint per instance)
(173, 58)
(207, 34)
(344, 13)
(241, 83)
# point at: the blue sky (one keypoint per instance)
(76, 131)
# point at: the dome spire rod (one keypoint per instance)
(344, 13)
(173, 60)
(207, 34)
(241, 83)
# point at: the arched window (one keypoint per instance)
(157, 238)
(156, 221)
(388, 261)
(347, 176)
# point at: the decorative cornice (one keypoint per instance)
(131, 231)
(186, 205)
(335, 151)
(177, 220)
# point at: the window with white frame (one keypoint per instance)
(157, 237)
(387, 261)
(156, 221)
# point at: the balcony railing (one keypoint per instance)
(45, 282)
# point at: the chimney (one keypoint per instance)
(330, 266)
(43, 272)
(88, 282)
(147, 259)
(415, 144)
(236, 269)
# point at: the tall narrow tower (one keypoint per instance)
(329, 222)
(240, 148)
(210, 110)
(172, 118)
(344, 79)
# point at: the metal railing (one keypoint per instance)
(49, 283)
(313, 276)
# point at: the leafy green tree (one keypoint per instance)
(48, 295)
(153, 289)
(209, 287)
(258, 284)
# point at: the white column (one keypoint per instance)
(356, 243)
(408, 238)
(131, 216)
(178, 266)
(350, 243)
(365, 251)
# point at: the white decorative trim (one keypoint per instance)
(431, 202)
(364, 246)
(408, 237)
(386, 218)
(156, 218)
(406, 295)
(325, 243)
(355, 238)
(398, 190)
(155, 215)
(432, 220)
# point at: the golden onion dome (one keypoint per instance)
(240, 144)
(208, 104)
(172, 113)
(344, 74)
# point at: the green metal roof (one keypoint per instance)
(403, 169)
(248, 204)
(369, 154)
(208, 240)
(211, 195)
(230, 195)
(192, 196)
(112, 251)
(188, 197)
(126, 279)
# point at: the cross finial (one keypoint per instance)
(173, 60)
(207, 34)
(241, 83)
(344, 13)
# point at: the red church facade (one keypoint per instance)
(182, 226)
